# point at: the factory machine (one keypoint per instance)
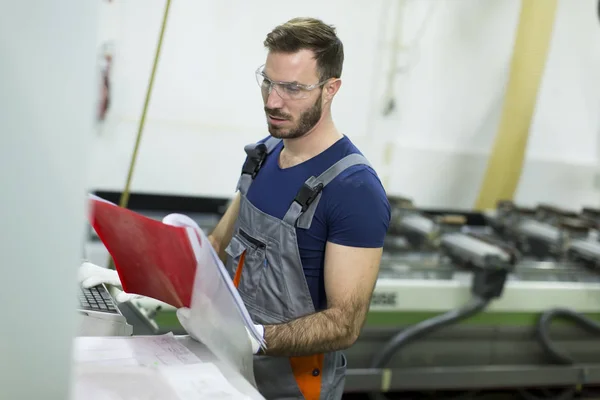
(510, 302)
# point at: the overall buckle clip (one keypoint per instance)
(256, 156)
(307, 194)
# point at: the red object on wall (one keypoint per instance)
(105, 88)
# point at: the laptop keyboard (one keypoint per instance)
(96, 298)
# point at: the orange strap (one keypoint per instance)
(238, 271)
(307, 371)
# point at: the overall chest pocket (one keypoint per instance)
(249, 260)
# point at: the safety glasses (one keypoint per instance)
(286, 90)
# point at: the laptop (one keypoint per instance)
(99, 314)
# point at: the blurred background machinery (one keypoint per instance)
(507, 299)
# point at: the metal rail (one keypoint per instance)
(489, 377)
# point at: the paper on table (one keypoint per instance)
(133, 350)
(175, 382)
(200, 381)
(95, 382)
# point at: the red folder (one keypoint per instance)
(152, 259)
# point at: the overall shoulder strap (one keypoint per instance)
(303, 207)
(255, 156)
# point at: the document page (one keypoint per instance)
(219, 318)
(165, 382)
(145, 367)
(118, 382)
(200, 381)
(133, 350)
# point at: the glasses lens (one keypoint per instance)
(260, 79)
(287, 91)
(263, 83)
(291, 91)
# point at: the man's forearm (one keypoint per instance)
(322, 332)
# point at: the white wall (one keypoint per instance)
(206, 103)
(47, 96)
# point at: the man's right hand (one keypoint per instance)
(90, 275)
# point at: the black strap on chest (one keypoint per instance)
(256, 154)
(308, 193)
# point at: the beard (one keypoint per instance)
(306, 122)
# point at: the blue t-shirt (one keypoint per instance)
(353, 209)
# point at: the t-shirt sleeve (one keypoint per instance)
(358, 210)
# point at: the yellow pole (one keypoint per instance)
(124, 200)
(125, 195)
(532, 41)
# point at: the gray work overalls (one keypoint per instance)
(264, 263)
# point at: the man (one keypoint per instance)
(303, 236)
(305, 270)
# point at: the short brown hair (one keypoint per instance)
(310, 34)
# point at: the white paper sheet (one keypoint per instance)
(165, 382)
(133, 350)
(207, 257)
(200, 381)
(115, 382)
(219, 318)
